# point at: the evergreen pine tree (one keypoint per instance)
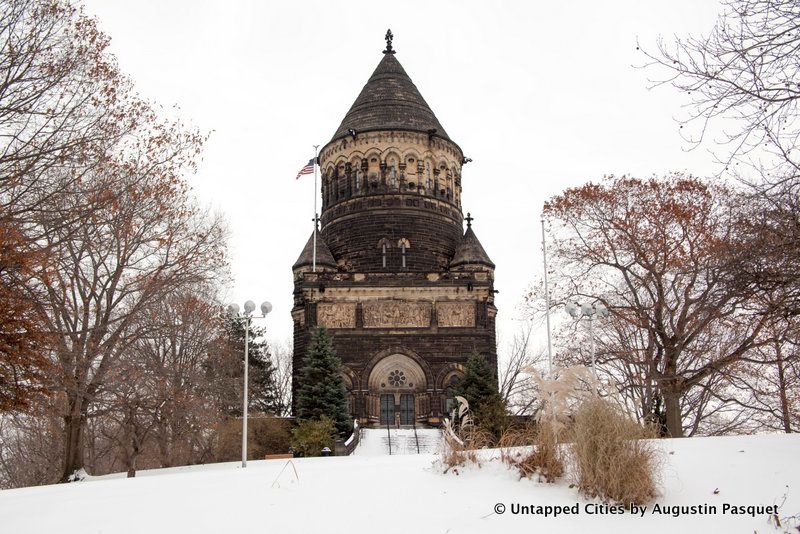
(262, 390)
(479, 385)
(322, 389)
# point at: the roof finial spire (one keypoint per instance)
(389, 38)
(469, 220)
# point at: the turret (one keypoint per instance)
(305, 262)
(470, 255)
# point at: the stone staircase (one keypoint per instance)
(379, 441)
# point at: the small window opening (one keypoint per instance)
(428, 175)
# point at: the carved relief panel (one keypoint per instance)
(456, 314)
(396, 314)
(338, 315)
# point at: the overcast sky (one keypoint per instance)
(542, 96)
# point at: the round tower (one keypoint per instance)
(391, 180)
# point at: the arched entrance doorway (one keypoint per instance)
(397, 391)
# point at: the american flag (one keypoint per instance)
(308, 169)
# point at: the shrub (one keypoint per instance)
(611, 454)
(544, 458)
(268, 435)
(265, 435)
(313, 435)
(491, 417)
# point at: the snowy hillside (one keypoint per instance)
(392, 494)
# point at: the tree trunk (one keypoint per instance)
(74, 423)
(162, 438)
(131, 440)
(787, 425)
(134, 454)
(672, 408)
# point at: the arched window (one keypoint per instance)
(384, 244)
(358, 179)
(392, 174)
(404, 245)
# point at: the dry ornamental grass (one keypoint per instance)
(462, 439)
(612, 456)
(540, 457)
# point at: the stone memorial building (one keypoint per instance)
(406, 294)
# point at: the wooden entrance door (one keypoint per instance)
(406, 409)
(387, 409)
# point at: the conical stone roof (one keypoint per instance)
(390, 101)
(324, 256)
(470, 252)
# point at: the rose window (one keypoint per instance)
(397, 378)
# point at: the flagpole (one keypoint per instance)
(547, 303)
(314, 253)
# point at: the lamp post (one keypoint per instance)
(577, 311)
(246, 317)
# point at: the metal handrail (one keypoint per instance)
(389, 437)
(416, 439)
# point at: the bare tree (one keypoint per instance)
(516, 363)
(744, 76)
(64, 103)
(181, 335)
(281, 354)
(741, 82)
(65, 109)
(130, 405)
(745, 72)
(146, 243)
(765, 386)
(96, 223)
(157, 407)
(655, 251)
(622, 355)
(30, 447)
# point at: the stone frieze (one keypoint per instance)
(396, 314)
(336, 315)
(454, 314)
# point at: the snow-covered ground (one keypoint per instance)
(393, 494)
